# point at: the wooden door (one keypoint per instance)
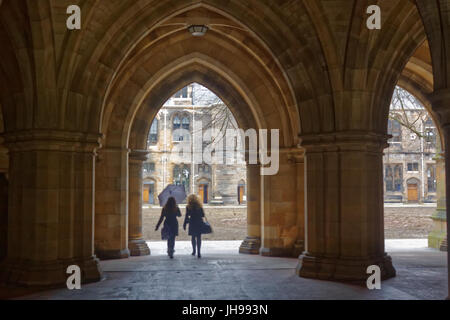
(413, 194)
(145, 194)
(201, 194)
(240, 194)
(205, 193)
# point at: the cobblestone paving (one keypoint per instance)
(407, 222)
(401, 222)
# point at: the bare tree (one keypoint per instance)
(218, 117)
(408, 112)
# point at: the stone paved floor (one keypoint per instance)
(222, 273)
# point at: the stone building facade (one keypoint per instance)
(214, 183)
(409, 162)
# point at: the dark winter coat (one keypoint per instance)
(170, 221)
(194, 217)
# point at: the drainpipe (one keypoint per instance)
(193, 150)
(422, 159)
(165, 150)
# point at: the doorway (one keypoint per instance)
(413, 192)
(148, 194)
(240, 194)
(203, 193)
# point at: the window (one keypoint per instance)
(149, 167)
(413, 166)
(176, 123)
(431, 177)
(395, 129)
(153, 135)
(430, 131)
(389, 178)
(393, 177)
(183, 93)
(204, 168)
(176, 136)
(185, 123)
(181, 126)
(181, 176)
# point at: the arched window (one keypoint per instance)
(185, 124)
(153, 135)
(176, 123)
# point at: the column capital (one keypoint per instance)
(52, 140)
(294, 155)
(440, 101)
(139, 155)
(344, 141)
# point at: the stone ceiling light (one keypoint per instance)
(198, 30)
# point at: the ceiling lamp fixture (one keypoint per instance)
(197, 30)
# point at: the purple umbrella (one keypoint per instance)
(172, 190)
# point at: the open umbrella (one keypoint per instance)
(172, 190)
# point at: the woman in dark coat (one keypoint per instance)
(170, 212)
(194, 217)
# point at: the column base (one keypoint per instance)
(299, 248)
(352, 270)
(138, 247)
(250, 245)
(444, 245)
(277, 252)
(47, 274)
(436, 239)
(112, 254)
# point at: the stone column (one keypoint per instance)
(136, 242)
(50, 207)
(439, 232)
(111, 204)
(280, 215)
(252, 242)
(344, 207)
(441, 105)
(3, 216)
(298, 158)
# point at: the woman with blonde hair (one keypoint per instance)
(194, 217)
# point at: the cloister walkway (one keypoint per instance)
(222, 273)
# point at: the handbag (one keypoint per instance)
(206, 227)
(165, 233)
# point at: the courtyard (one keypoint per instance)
(229, 222)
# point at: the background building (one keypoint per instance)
(214, 183)
(409, 165)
